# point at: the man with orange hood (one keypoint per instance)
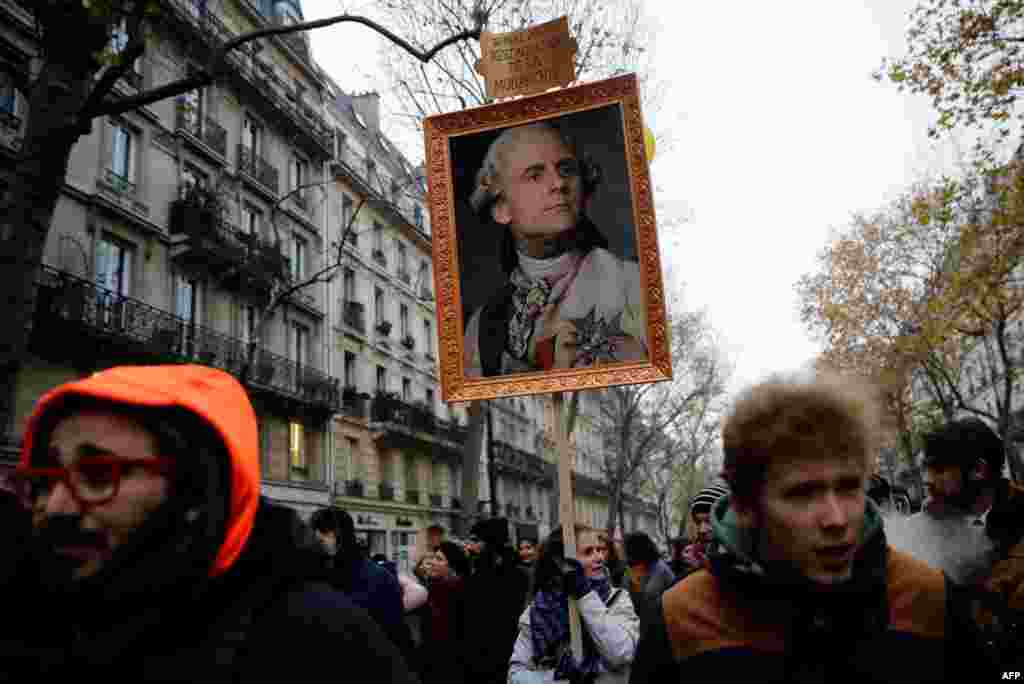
(157, 559)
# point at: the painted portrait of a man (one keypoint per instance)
(566, 301)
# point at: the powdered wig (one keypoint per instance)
(780, 418)
(487, 187)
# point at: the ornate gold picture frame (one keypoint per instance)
(615, 343)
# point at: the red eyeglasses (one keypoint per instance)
(92, 480)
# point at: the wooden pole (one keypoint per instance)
(566, 511)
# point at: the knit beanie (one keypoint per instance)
(707, 497)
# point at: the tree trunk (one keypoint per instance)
(28, 204)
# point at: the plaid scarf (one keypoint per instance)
(549, 628)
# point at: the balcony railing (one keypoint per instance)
(205, 129)
(74, 300)
(119, 183)
(354, 316)
(388, 408)
(435, 500)
(412, 496)
(214, 243)
(258, 168)
(387, 492)
(354, 488)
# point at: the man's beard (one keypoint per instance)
(58, 570)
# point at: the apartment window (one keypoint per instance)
(378, 305)
(252, 136)
(382, 379)
(298, 258)
(186, 307)
(403, 265)
(300, 344)
(114, 266)
(347, 214)
(406, 390)
(348, 287)
(252, 220)
(296, 445)
(350, 369)
(119, 41)
(428, 336)
(122, 152)
(378, 237)
(403, 320)
(299, 170)
(424, 280)
(248, 325)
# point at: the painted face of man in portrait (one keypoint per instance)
(542, 189)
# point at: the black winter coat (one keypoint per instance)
(265, 617)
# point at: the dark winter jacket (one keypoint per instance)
(442, 654)
(495, 598)
(897, 620)
(369, 585)
(222, 591)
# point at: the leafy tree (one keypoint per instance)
(966, 55)
(929, 290)
(72, 83)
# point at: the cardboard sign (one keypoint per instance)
(529, 61)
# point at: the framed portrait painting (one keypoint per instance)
(546, 262)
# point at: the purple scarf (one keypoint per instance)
(549, 628)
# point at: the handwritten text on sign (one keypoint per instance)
(528, 61)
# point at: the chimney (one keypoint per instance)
(368, 106)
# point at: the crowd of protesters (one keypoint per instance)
(140, 547)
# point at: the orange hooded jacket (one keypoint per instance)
(212, 394)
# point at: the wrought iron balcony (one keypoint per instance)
(387, 492)
(68, 306)
(257, 168)
(243, 260)
(354, 404)
(412, 496)
(354, 488)
(205, 129)
(354, 316)
(119, 183)
(435, 500)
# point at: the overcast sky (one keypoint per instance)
(779, 135)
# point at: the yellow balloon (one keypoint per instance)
(649, 144)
